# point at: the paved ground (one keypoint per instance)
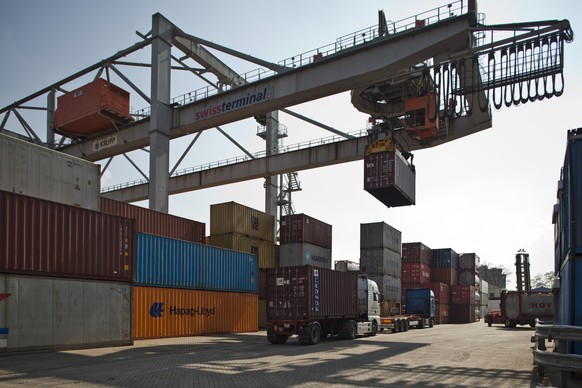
(470, 355)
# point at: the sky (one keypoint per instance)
(491, 192)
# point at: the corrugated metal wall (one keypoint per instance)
(157, 223)
(303, 228)
(231, 217)
(164, 262)
(294, 254)
(55, 313)
(173, 312)
(47, 238)
(265, 250)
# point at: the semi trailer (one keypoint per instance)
(523, 308)
(419, 311)
(314, 303)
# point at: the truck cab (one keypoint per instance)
(420, 307)
(369, 299)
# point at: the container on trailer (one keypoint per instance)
(469, 261)
(463, 294)
(40, 172)
(175, 312)
(294, 254)
(380, 235)
(444, 257)
(165, 262)
(92, 108)
(52, 239)
(308, 292)
(380, 261)
(416, 273)
(47, 313)
(524, 305)
(462, 313)
(416, 253)
(303, 228)
(158, 223)
(390, 178)
(262, 286)
(266, 251)
(447, 275)
(389, 286)
(262, 318)
(346, 265)
(232, 217)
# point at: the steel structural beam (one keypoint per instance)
(320, 156)
(346, 70)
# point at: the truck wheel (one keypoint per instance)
(488, 320)
(420, 323)
(374, 329)
(352, 330)
(405, 325)
(508, 323)
(396, 327)
(430, 322)
(314, 333)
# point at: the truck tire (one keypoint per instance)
(430, 322)
(488, 320)
(314, 333)
(420, 324)
(374, 329)
(352, 330)
(405, 325)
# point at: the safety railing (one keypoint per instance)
(558, 358)
(243, 158)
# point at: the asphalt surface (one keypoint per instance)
(469, 355)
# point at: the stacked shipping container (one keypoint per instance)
(304, 241)
(469, 287)
(380, 258)
(444, 271)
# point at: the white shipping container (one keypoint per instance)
(380, 261)
(44, 313)
(40, 172)
(295, 254)
(390, 287)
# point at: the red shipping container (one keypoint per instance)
(463, 295)
(303, 228)
(416, 253)
(157, 223)
(40, 237)
(462, 313)
(92, 108)
(415, 273)
(442, 315)
(389, 178)
(441, 291)
(447, 275)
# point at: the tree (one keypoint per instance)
(543, 280)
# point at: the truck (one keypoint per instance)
(523, 308)
(314, 303)
(419, 311)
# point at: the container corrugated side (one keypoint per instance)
(416, 252)
(44, 313)
(158, 223)
(416, 273)
(40, 172)
(442, 314)
(295, 254)
(175, 312)
(303, 228)
(462, 294)
(390, 286)
(165, 262)
(47, 238)
(390, 179)
(304, 292)
(447, 275)
(266, 251)
(380, 235)
(444, 257)
(380, 261)
(231, 217)
(462, 313)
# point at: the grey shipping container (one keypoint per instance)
(390, 286)
(306, 292)
(380, 235)
(45, 313)
(158, 223)
(303, 228)
(380, 261)
(39, 237)
(40, 172)
(390, 179)
(304, 254)
(231, 217)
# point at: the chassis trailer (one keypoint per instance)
(419, 311)
(314, 303)
(523, 308)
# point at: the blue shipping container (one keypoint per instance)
(444, 257)
(165, 262)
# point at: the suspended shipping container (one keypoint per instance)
(295, 254)
(416, 253)
(389, 178)
(303, 228)
(164, 262)
(41, 237)
(158, 223)
(380, 235)
(175, 312)
(44, 313)
(91, 109)
(231, 217)
(266, 251)
(40, 172)
(444, 257)
(389, 286)
(380, 261)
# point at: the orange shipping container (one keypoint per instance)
(174, 312)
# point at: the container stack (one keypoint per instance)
(444, 272)
(469, 282)
(241, 228)
(380, 258)
(304, 241)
